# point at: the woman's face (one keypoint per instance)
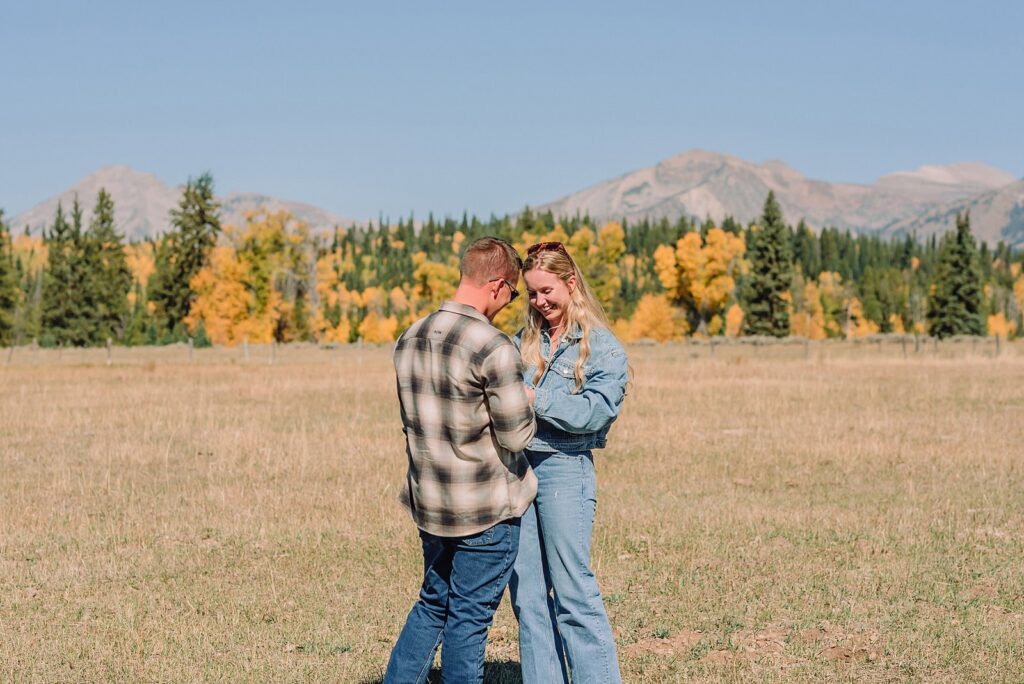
(549, 294)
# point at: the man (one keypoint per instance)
(466, 415)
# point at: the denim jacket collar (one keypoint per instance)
(574, 333)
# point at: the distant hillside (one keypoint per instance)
(996, 214)
(700, 183)
(142, 203)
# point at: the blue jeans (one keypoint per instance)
(463, 580)
(554, 593)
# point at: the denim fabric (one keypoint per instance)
(567, 420)
(554, 593)
(463, 580)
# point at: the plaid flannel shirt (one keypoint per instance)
(466, 420)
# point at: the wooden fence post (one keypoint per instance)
(110, 349)
(191, 348)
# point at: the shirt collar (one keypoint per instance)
(465, 309)
(573, 333)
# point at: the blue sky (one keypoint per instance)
(390, 107)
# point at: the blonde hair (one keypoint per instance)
(489, 257)
(584, 310)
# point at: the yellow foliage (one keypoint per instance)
(376, 329)
(999, 326)
(326, 332)
(31, 250)
(665, 267)
(700, 275)
(622, 330)
(399, 300)
(434, 282)
(557, 234)
(896, 321)
(248, 290)
(371, 298)
(859, 326)
(734, 321)
(809, 319)
(223, 301)
(141, 261)
(512, 317)
(833, 301)
(653, 319)
(611, 242)
(583, 248)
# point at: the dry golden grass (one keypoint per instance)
(761, 517)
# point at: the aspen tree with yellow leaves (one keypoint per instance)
(699, 275)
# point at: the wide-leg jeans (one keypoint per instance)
(562, 619)
(463, 580)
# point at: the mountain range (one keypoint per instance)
(696, 183)
(142, 203)
(703, 184)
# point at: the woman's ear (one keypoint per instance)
(571, 283)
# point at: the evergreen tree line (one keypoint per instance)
(273, 278)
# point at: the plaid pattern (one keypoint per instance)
(466, 420)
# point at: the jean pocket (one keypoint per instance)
(483, 538)
(576, 456)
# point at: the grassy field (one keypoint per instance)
(854, 516)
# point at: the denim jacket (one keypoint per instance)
(570, 421)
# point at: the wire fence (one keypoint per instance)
(894, 347)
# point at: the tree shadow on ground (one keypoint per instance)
(503, 672)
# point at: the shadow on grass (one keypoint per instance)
(504, 672)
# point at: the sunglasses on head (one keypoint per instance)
(545, 247)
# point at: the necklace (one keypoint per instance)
(553, 334)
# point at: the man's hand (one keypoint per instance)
(530, 394)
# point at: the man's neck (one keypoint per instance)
(471, 297)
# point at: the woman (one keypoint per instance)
(578, 373)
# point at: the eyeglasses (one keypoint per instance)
(546, 247)
(513, 292)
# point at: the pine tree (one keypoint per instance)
(200, 339)
(8, 286)
(60, 306)
(181, 254)
(955, 307)
(81, 326)
(108, 279)
(767, 311)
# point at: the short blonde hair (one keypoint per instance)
(489, 258)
